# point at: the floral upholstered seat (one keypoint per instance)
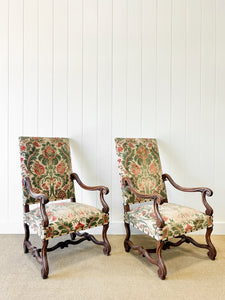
(64, 218)
(178, 220)
(142, 180)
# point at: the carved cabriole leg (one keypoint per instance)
(126, 245)
(26, 237)
(212, 251)
(107, 247)
(160, 263)
(45, 268)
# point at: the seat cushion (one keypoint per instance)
(64, 218)
(178, 220)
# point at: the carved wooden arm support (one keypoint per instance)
(158, 200)
(43, 200)
(203, 190)
(102, 189)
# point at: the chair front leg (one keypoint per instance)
(107, 247)
(212, 250)
(160, 263)
(126, 245)
(45, 268)
(73, 236)
(26, 237)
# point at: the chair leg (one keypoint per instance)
(107, 247)
(160, 263)
(26, 237)
(73, 236)
(126, 246)
(45, 268)
(212, 251)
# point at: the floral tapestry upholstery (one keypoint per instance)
(178, 220)
(47, 162)
(139, 160)
(64, 218)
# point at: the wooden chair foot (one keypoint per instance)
(107, 247)
(26, 237)
(126, 245)
(212, 250)
(73, 236)
(45, 268)
(25, 249)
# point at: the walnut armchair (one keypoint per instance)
(47, 177)
(142, 181)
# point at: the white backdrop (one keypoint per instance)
(92, 70)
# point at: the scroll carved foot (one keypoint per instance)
(107, 247)
(162, 268)
(45, 268)
(212, 250)
(126, 245)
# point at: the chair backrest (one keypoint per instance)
(139, 160)
(47, 162)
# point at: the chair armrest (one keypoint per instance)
(158, 200)
(102, 189)
(43, 200)
(203, 190)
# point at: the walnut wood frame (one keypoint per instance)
(42, 259)
(163, 245)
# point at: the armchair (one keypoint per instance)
(142, 181)
(46, 178)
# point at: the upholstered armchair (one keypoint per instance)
(142, 181)
(46, 178)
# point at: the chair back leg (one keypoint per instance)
(126, 245)
(45, 268)
(26, 237)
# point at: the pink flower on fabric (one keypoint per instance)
(135, 169)
(70, 215)
(188, 228)
(22, 148)
(153, 168)
(120, 149)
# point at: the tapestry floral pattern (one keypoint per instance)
(47, 162)
(64, 218)
(178, 220)
(139, 160)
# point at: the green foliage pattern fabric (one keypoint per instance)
(178, 220)
(139, 160)
(64, 218)
(47, 162)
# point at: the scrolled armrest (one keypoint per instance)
(43, 200)
(203, 190)
(158, 200)
(102, 189)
